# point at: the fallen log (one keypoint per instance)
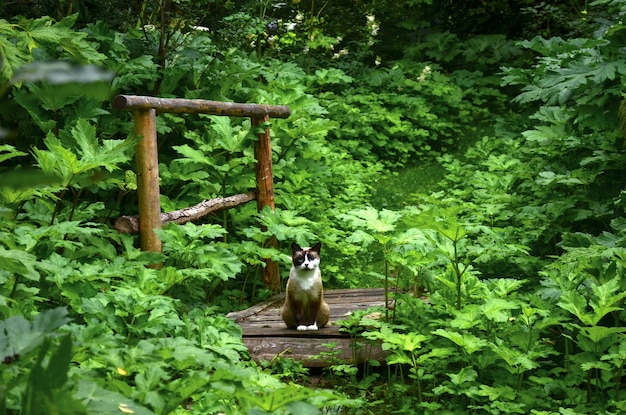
(130, 224)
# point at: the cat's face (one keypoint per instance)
(306, 258)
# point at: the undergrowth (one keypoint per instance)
(518, 244)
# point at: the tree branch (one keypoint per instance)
(130, 224)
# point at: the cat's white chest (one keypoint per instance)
(306, 278)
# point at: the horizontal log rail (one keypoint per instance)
(130, 224)
(199, 106)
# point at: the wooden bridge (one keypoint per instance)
(266, 336)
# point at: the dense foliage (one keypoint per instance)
(473, 156)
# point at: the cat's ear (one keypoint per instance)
(317, 247)
(295, 247)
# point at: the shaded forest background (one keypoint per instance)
(472, 152)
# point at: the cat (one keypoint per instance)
(305, 308)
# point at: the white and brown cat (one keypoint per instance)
(305, 308)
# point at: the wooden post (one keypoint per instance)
(265, 193)
(148, 191)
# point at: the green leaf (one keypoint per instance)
(105, 402)
(603, 301)
(66, 163)
(44, 392)
(361, 237)
(466, 375)
(576, 304)
(468, 342)
(598, 333)
(399, 358)
(497, 309)
(468, 317)
(19, 336)
(605, 297)
(19, 262)
(373, 220)
(517, 360)
(59, 364)
(587, 366)
(193, 155)
(8, 152)
(498, 393)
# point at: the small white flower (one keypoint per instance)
(201, 28)
(425, 72)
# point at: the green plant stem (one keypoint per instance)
(57, 206)
(75, 202)
(417, 377)
(14, 289)
(455, 264)
(567, 355)
(245, 282)
(386, 290)
(395, 304)
(308, 59)
(618, 379)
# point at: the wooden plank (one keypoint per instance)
(340, 301)
(282, 331)
(258, 308)
(266, 336)
(308, 349)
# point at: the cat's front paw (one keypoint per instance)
(303, 327)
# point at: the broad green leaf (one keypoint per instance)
(59, 363)
(193, 155)
(517, 360)
(102, 401)
(587, 366)
(19, 262)
(372, 220)
(399, 357)
(8, 152)
(467, 342)
(466, 375)
(605, 298)
(468, 317)
(598, 333)
(497, 309)
(495, 393)
(35, 109)
(576, 304)
(361, 237)
(11, 56)
(19, 336)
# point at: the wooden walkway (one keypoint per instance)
(266, 336)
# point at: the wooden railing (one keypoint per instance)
(145, 110)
